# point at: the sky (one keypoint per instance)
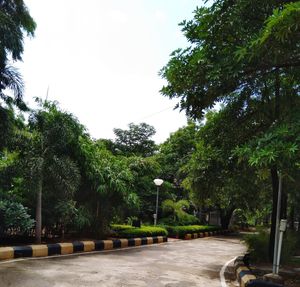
(100, 59)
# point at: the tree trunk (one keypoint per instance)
(38, 215)
(97, 209)
(284, 203)
(277, 95)
(63, 232)
(275, 184)
(225, 217)
(292, 217)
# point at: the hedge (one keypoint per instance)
(144, 231)
(181, 231)
(118, 227)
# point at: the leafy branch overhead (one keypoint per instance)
(15, 21)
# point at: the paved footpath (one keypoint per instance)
(178, 263)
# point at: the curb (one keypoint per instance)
(243, 273)
(246, 278)
(44, 250)
(190, 236)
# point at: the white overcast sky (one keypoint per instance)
(101, 58)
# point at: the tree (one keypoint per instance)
(13, 214)
(232, 58)
(6, 126)
(216, 67)
(135, 141)
(177, 211)
(279, 147)
(215, 176)
(144, 171)
(106, 188)
(174, 153)
(15, 21)
(47, 158)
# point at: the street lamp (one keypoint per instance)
(158, 182)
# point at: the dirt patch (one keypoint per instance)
(292, 283)
(290, 273)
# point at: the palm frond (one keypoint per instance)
(11, 79)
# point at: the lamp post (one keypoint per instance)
(158, 182)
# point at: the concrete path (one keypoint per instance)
(178, 263)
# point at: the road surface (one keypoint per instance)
(178, 263)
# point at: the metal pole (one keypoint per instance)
(156, 210)
(275, 256)
(282, 228)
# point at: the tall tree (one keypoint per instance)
(52, 170)
(240, 51)
(107, 184)
(144, 171)
(174, 153)
(214, 175)
(136, 140)
(15, 22)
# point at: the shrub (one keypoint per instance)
(176, 214)
(181, 231)
(120, 227)
(187, 219)
(144, 231)
(258, 246)
(297, 234)
(289, 246)
(14, 215)
(130, 220)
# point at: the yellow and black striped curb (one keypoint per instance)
(246, 278)
(73, 247)
(243, 274)
(205, 234)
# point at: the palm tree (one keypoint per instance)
(12, 80)
(15, 20)
(47, 156)
(176, 208)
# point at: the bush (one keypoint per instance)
(14, 215)
(126, 231)
(297, 234)
(188, 219)
(289, 246)
(176, 214)
(258, 246)
(181, 231)
(120, 227)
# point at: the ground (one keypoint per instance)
(178, 263)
